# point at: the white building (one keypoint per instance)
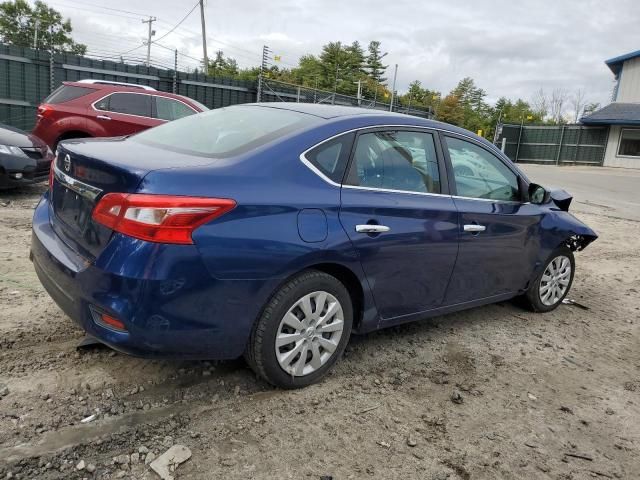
(623, 114)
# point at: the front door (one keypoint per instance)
(400, 219)
(497, 247)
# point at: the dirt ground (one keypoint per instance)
(553, 396)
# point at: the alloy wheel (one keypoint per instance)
(309, 333)
(555, 280)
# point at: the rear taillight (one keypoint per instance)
(44, 111)
(158, 218)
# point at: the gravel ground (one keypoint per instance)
(495, 392)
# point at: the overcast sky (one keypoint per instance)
(510, 48)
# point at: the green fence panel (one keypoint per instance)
(554, 144)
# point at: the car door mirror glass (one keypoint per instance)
(538, 194)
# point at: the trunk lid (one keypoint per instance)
(86, 170)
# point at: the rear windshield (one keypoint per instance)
(225, 132)
(66, 93)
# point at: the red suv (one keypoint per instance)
(98, 108)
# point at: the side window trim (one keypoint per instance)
(444, 180)
(451, 177)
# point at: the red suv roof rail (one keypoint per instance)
(123, 84)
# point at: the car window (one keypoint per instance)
(66, 93)
(331, 157)
(480, 174)
(396, 160)
(129, 103)
(170, 109)
(225, 132)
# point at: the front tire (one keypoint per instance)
(553, 283)
(302, 331)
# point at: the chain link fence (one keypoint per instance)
(277, 91)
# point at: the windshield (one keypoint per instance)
(225, 132)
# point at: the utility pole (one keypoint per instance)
(263, 67)
(151, 33)
(35, 34)
(204, 38)
(393, 89)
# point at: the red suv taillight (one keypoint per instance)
(52, 165)
(158, 218)
(44, 111)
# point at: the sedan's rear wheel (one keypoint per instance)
(302, 332)
(553, 284)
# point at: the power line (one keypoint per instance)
(109, 8)
(133, 49)
(179, 23)
(75, 7)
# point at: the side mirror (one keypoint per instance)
(537, 194)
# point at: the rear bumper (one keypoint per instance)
(164, 295)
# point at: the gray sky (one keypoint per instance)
(510, 48)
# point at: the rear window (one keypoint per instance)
(170, 109)
(332, 156)
(66, 93)
(130, 103)
(226, 132)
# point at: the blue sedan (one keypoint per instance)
(275, 231)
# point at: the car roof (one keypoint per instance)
(333, 113)
(323, 110)
(114, 87)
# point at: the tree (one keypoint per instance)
(557, 104)
(19, 22)
(420, 97)
(578, 102)
(589, 108)
(223, 66)
(540, 103)
(451, 110)
(475, 110)
(374, 63)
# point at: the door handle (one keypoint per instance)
(372, 228)
(103, 117)
(474, 228)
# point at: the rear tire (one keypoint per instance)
(553, 283)
(302, 331)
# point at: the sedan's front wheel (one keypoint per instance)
(302, 332)
(554, 282)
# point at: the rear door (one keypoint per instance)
(400, 218)
(125, 113)
(497, 228)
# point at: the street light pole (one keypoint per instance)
(335, 85)
(393, 89)
(35, 33)
(359, 96)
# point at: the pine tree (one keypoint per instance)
(374, 64)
